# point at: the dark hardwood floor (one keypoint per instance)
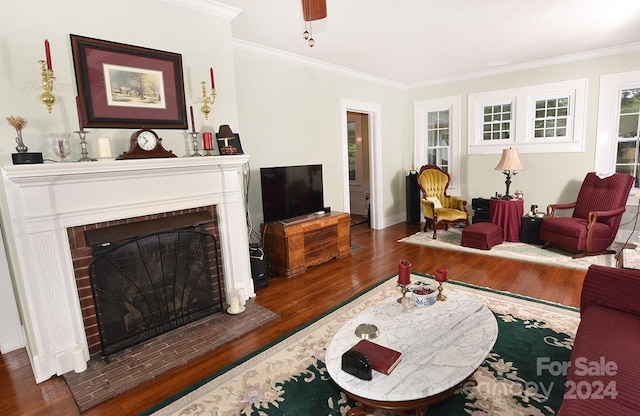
(298, 300)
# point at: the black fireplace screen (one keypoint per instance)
(153, 284)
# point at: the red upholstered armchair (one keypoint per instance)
(596, 216)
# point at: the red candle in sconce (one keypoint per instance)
(47, 52)
(404, 272)
(441, 275)
(207, 140)
(193, 124)
(213, 84)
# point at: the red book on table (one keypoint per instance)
(381, 358)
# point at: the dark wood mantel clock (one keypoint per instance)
(145, 143)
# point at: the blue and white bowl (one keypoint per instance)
(422, 298)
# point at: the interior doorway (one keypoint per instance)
(358, 159)
(372, 154)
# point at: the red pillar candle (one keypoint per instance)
(213, 84)
(80, 119)
(404, 272)
(207, 140)
(47, 52)
(441, 275)
(193, 124)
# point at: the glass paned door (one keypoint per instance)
(351, 142)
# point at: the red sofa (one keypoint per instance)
(604, 374)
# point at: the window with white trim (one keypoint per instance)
(436, 148)
(627, 137)
(617, 140)
(551, 119)
(496, 122)
(437, 136)
(542, 118)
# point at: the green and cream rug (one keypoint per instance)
(450, 240)
(290, 378)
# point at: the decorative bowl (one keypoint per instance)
(367, 331)
(424, 295)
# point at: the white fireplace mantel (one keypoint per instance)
(44, 200)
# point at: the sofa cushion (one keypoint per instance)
(595, 408)
(605, 365)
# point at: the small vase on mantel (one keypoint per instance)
(24, 157)
(20, 148)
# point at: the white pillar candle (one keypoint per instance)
(241, 297)
(104, 147)
(79, 362)
(234, 305)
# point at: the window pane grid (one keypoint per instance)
(496, 122)
(437, 146)
(551, 118)
(351, 140)
(628, 146)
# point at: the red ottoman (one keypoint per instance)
(482, 235)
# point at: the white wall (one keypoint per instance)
(203, 40)
(291, 114)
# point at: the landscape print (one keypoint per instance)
(134, 87)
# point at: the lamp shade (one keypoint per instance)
(225, 132)
(510, 161)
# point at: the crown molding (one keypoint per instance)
(598, 53)
(314, 63)
(210, 7)
(302, 60)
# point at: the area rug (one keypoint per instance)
(141, 363)
(290, 378)
(450, 240)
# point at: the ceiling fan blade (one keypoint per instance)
(314, 9)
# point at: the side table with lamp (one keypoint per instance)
(507, 211)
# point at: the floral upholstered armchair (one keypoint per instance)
(438, 208)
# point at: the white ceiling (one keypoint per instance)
(417, 42)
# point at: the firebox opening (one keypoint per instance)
(153, 276)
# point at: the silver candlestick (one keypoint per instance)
(194, 139)
(83, 146)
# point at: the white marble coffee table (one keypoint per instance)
(442, 345)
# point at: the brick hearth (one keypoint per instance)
(136, 365)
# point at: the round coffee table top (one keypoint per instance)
(441, 345)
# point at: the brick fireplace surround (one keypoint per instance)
(46, 200)
(82, 255)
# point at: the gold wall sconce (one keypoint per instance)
(46, 71)
(206, 99)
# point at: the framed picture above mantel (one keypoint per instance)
(125, 86)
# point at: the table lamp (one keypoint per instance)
(224, 135)
(509, 165)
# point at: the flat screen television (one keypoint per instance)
(291, 191)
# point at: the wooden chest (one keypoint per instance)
(294, 246)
